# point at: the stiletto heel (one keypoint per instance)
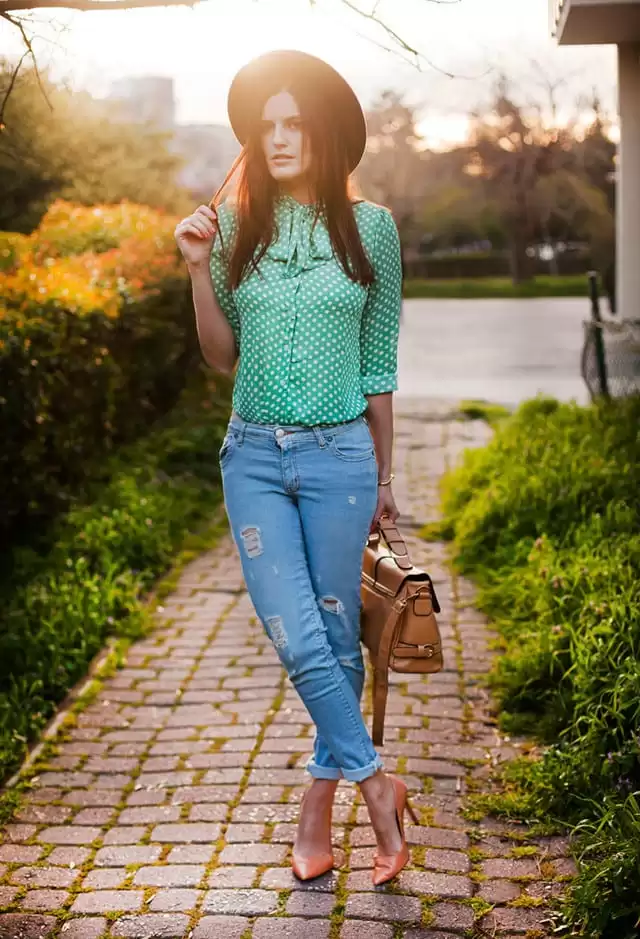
(412, 813)
(388, 866)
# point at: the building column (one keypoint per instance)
(628, 189)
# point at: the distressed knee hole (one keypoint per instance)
(276, 630)
(252, 541)
(332, 605)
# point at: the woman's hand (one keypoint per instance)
(386, 506)
(194, 235)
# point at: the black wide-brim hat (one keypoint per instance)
(268, 70)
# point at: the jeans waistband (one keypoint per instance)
(316, 430)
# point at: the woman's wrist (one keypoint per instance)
(386, 480)
(198, 268)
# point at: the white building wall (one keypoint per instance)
(628, 192)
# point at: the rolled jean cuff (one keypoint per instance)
(352, 775)
(323, 772)
(357, 775)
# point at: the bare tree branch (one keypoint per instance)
(400, 43)
(28, 51)
(397, 46)
(12, 82)
(15, 5)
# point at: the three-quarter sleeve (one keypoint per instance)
(219, 267)
(381, 315)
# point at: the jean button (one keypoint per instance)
(279, 433)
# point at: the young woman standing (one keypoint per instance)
(298, 285)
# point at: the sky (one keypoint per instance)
(203, 47)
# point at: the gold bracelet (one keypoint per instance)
(387, 482)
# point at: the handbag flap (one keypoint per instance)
(381, 568)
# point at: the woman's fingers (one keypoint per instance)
(189, 229)
(195, 225)
(203, 223)
(207, 212)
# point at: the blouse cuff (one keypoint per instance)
(378, 384)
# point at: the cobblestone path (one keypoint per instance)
(169, 809)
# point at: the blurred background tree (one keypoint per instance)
(74, 148)
(524, 183)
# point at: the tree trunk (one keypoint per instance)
(519, 262)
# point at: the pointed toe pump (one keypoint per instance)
(315, 865)
(306, 868)
(388, 866)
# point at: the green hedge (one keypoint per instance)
(498, 287)
(57, 608)
(74, 387)
(547, 519)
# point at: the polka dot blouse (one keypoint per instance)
(312, 343)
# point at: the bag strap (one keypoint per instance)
(381, 672)
(396, 543)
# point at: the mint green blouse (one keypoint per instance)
(312, 343)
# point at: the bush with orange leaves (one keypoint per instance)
(83, 259)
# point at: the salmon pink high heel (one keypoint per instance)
(388, 866)
(309, 867)
(306, 868)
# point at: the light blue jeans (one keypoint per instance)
(300, 501)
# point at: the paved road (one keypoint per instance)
(498, 350)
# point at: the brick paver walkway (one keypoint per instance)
(170, 808)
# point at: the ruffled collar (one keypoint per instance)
(301, 240)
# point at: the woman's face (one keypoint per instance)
(284, 141)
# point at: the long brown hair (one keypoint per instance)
(256, 190)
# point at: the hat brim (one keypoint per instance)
(268, 69)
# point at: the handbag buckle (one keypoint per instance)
(428, 650)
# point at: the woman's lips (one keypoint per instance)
(281, 159)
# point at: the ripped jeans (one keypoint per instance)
(300, 501)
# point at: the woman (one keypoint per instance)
(301, 287)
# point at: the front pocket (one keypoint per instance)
(353, 448)
(228, 446)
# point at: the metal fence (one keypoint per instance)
(610, 362)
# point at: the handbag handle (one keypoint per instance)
(395, 542)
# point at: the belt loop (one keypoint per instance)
(319, 435)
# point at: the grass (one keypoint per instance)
(89, 578)
(546, 519)
(574, 285)
(479, 410)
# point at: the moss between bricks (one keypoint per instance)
(12, 799)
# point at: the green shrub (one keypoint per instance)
(469, 288)
(547, 519)
(12, 245)
(58, 606)
(74, 387)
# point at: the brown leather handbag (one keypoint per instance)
(397, 623)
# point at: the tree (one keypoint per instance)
(77, 152)
(509, 152)
(457, 213)
(392, 171)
